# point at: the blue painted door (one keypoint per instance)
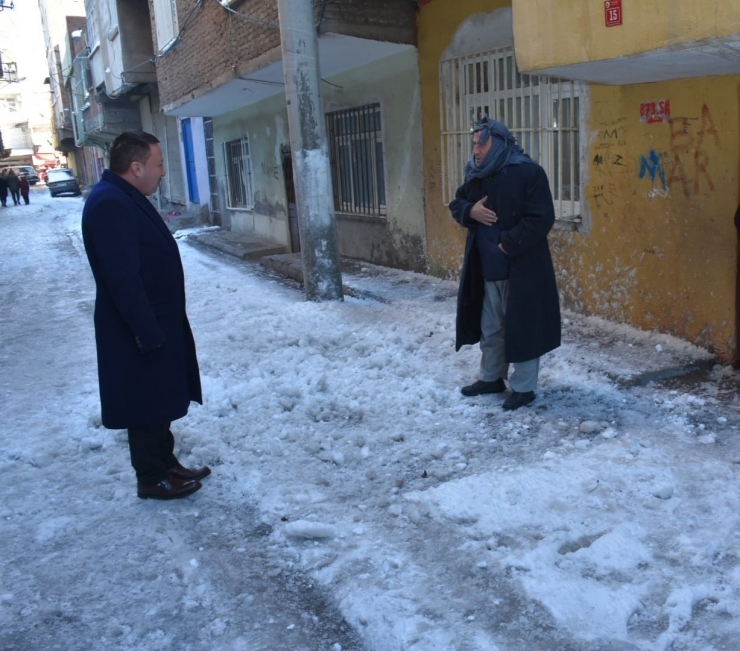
(187, 141)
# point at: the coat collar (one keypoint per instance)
(122, 184)
(140, 200)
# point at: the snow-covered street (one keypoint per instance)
(357, 500)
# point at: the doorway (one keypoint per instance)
(187, 143)
(295, 235)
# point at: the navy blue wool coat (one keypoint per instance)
(147, 365)
(520, 196)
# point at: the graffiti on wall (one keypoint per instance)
(652, 166)
(687, 163)
(609, 160)
(691, 138)
(654, 112)
(271, 171)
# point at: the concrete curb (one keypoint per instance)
(240, 246)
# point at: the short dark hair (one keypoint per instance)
(130, 146)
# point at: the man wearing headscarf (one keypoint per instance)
(508, 298)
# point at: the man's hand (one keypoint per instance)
(482, 214)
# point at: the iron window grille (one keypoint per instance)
(357, 160)
(239, 176)
(542, 113)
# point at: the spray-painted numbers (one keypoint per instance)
(653, 112)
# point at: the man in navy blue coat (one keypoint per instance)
(147, 365)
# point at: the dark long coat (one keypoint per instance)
(520, 196)
(12, 180)
(147, 365)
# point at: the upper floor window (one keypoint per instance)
(239, 177)
(165, 20)
(93, 32)
(542, 113)
(357, 162)
(10, 105)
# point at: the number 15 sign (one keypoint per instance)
(613, 12)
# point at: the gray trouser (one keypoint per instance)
(492, 342)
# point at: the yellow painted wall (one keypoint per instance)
(654, 254)
(661, 249)
(438, 22)
(539, 27)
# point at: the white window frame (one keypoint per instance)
(93, 31)
(529, 105)
(165, 20)
(11, 103)
(239, 174)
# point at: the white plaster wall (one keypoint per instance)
(392, 82)
(482, 32)
(145, 115)
(266, 125)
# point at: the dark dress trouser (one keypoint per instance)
(152, 452)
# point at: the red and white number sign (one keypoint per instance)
(613, 12)
(652, 112)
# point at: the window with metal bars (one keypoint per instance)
(239, 177)
(541, 112)
(357, 163)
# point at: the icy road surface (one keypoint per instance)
(358, 501)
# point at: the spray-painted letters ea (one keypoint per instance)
(690, 166)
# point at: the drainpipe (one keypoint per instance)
(322, 276)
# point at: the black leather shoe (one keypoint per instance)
(171, 488)
(480, 387)
(181, 472)
(516, 400)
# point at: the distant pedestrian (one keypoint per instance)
(24, 187)
(508, 299)
(12, 181)
(3, 190)
(147, 365)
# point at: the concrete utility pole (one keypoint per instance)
(311, 168)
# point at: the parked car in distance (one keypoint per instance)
(31, 176)
(60, 180)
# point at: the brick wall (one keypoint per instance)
(381, 20)
(216, 45)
